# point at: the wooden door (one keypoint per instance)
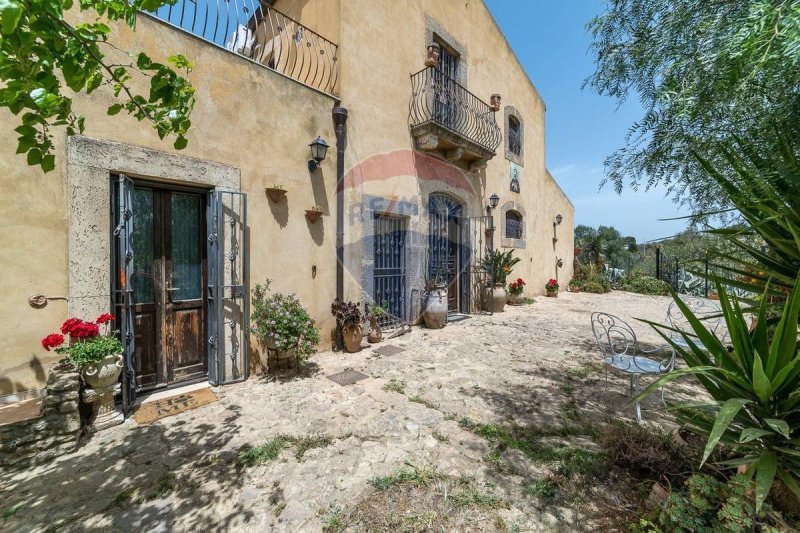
(168, 281)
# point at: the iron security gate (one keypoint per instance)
(476, 241)
(122, 292)
(227, 287)
(390, 268)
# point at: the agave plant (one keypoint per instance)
(766, 192)
(754, 389)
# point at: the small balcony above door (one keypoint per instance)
(450, 122)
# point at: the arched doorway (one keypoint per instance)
(444, 246)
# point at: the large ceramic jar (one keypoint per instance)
(375, 332)
(352, 337)
(103, 373)
(434, 312)
(496, 297)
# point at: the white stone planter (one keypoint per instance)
(101, 378)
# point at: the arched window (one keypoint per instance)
(513, 225)
(514, 135)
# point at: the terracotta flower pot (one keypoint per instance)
(103, 373)
(352, 338)
(552, 294)
(515, 299)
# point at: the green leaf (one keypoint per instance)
(779, 425)
(10, 13)
(181, 142)
(114, 109)
(727, 413)
(790, 482)
(34, 156)
(750, 434)
(765, 476)
(761, 382)
(48, 162)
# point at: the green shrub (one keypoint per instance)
(641, 283)
(708, 504)
(596, 287)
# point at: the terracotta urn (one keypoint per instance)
(375, 334)
(434, 313)
(351, 335)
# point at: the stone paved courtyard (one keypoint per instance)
(530, 366)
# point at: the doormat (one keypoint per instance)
(348, 377)
(389, 350)
(152, 411)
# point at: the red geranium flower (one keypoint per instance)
(85, 330)
(66, 327)
(105, 317)
(53, 340)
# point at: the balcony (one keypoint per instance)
(259, 32)
(449, 121)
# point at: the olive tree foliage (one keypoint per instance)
(44, 59)
(706, 72)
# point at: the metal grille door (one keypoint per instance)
(123, 286)
(390, 268)
(476, 242)
(227, 286)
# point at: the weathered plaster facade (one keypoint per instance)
(250, 130)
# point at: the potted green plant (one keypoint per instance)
(349, 323)
(515, 290)
(284, 327)
(499, 265)
(575, 285)
(551, 288)
(98, 357)
(374, 316)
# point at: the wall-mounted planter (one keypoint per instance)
(313, 214)
(276, 193)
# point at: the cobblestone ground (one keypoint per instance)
(181, 473)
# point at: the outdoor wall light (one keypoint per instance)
(493, 201)
(559, 218)
(319, 149)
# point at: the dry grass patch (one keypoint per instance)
(421, 499)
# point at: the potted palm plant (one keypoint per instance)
(499, 265)
(284, 327)
(349, 323)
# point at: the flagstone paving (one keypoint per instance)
(181, 473)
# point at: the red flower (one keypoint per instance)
(105, 317)
(70, 323)
(85, 330)
(53, 340)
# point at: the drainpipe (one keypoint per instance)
(340, 121)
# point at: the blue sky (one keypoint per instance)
(581, 127)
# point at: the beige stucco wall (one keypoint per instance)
(261, 123)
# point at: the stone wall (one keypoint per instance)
(57, 429)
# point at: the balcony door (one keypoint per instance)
(168, 280)
(446, 88)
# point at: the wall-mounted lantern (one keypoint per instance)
(494, 103)
(559, 218)
(493, 201)
(319, 149)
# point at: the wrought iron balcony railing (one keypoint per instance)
(438, 99)
(255, 30)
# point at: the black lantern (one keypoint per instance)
(493, 201)
(319, 149)
(559, 218)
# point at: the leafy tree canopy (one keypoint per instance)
(605, 244)
(705, 71)
(44, 59)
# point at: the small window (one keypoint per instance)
(513, 225)
(514, 136)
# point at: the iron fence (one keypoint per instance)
(261, 33)
(438, 98)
